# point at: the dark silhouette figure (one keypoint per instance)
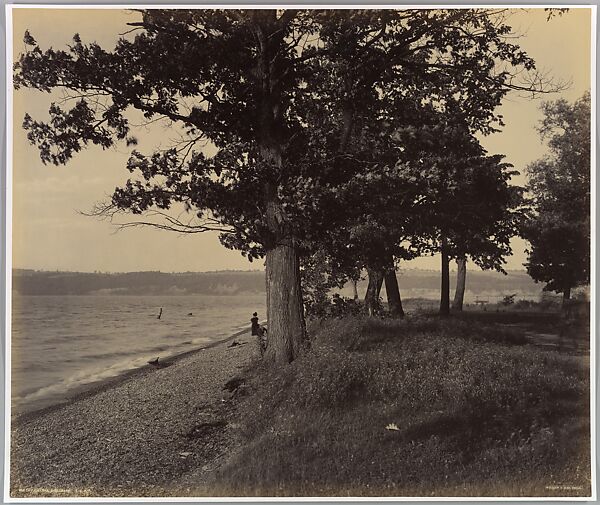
(160, 313)
(255, 325)
(260, 332)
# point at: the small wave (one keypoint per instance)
(201, 340)
(106, 355)
(40, 366)
(71, 337)
(79, 379)
(137, 359)
(131, 352)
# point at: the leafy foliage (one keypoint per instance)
(559, 229)
(202, 69)
(469, 198)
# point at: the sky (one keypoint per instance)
(50, 233)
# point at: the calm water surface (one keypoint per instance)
(64, 342)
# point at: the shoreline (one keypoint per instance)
(149, 432)
(83, 391)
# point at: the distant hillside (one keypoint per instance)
(413, 283)
(29, 282)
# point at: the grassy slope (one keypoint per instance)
(478, 413)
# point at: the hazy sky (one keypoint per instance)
(49, 233)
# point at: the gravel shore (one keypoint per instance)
(157, 432)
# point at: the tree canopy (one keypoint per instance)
(559, 184)
(280, 94)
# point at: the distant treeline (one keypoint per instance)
(31, 282)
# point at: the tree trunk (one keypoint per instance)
(393, 293)
(285, 309)
(461, 277)
(445, 295)
(355, 288)
(373, 291)
(285, 314)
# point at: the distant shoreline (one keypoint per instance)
(248, 283)
(98, 272)
(16, 269)
(122, 293)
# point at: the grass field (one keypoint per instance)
(464, 406)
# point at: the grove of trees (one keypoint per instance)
(346, 134)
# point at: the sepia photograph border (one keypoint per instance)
(6, 252)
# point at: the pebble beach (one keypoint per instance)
(158, 431)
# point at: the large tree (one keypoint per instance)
(488, 213)
(559, 229)
(249, 83)
(467, 206)
(227, 77)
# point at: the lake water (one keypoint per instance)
(60, 343)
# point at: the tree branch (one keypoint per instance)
(107, 211)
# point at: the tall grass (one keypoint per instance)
(477, 413)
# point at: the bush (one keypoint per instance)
(508, 300)
(335, 306)
(524, 304)
(549, 301)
